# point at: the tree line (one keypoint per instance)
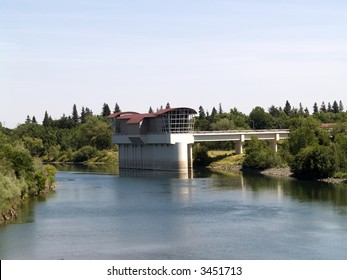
(314, 150)
(311, 150)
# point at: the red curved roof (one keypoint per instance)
(135, 118)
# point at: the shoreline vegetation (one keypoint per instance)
(229, 162)
(316, 149)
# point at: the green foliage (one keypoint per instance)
(85, 153)
(223, 124)
(316, 161)
(306, 132)
(261, 119)
(200, 155)
(10, 192)
(259, 155)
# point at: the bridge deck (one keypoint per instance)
(240, 135)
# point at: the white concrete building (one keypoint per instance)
(155, 141)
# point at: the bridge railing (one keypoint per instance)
(246, 131)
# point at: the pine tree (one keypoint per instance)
(341, 108)
(150, 110)
(323, 108)
(83, 115)
(75, 116)
(335, 107)
(88, 112)
(214, 112)
(47, 120)
(315, 108)
(116, 109)
(287, 108)
(105, 110)
(33, 120)
(167, 106)
(202, 114)
(220, 110)
(330, 109)
(28, 119)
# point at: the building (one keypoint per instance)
(155, 141)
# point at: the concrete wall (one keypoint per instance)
(171, 157)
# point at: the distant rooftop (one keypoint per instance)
(135, 118)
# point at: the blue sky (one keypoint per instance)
(142, 53)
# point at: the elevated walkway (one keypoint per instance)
(240, 136)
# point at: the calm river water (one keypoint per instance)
(102, 215)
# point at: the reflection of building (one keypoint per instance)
(155, 141)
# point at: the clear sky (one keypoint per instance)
(142, 53)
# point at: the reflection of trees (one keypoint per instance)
(303, 191)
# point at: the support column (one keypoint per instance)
(190, 155)
(274, 141)
(239, 145)
(273, 144)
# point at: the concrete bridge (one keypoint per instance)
(240, 136)
(164, 140)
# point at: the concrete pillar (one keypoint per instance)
(190, 155)
(239, 145)
(273, 144)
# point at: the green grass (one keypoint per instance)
(224, 158)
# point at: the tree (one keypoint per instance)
(306, 132)
(167, 106)
(47, 120)
(315, 108)
(83, 115)
(335, 107)
(202, 114)
(200, 155)
(223, 124)
(105, 110)
(75, 116)
(28, 119)
(116, 108)
(259, 155)
(214, 112)
(323, 108)
(33, 120)
(220, 110)
(329, 109)
(261, 119)
(287, 108)
(341, 108)
(150, 110)
(316, 161)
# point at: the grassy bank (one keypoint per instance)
(229, 161)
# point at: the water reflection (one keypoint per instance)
(100, 213)
(88, 168)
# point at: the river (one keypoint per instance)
(100, 214)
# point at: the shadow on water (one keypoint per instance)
(300, 190)
(88, 168)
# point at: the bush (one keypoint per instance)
(85, 153)
(200, 155)
(316, 162)
(10, 191)
(260, 155)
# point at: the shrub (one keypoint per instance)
(260, 155)
(85, 153)
(200, 155)
(316, 162)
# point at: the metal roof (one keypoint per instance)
(136, 118)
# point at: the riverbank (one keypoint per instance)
(227, 161)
